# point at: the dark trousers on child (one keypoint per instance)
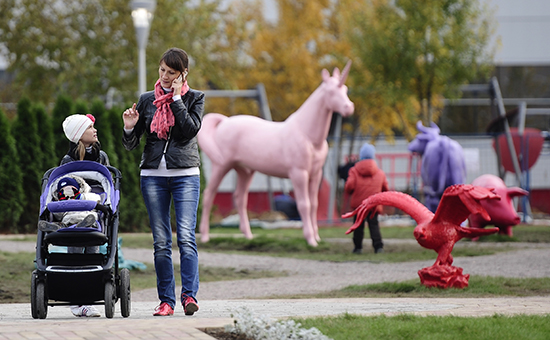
(374, 229)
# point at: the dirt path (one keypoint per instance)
(309, 276)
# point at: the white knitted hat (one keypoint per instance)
(75, 125)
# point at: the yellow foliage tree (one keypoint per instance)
(409, 54)
(287, 56)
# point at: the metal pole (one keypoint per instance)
(524, 159)
(522, 107)
(265, 113)
(142, 70)
(142, 15)
(336, 148)
(264, 105)
(509, 140)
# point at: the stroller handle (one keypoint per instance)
(118, 176)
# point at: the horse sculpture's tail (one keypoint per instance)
(206, 139)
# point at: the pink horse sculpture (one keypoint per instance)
(294, 149)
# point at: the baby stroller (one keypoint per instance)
(63, 278)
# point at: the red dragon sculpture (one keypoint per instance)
(439, 231)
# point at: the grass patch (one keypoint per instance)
(281, 246)
(145, 240)
(407, 326)
(15, 277)
(324, 232)
(479, 286)
(522, 233)
(290, 243)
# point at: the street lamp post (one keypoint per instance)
(142, 14)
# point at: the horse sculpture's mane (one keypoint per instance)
(294, 149)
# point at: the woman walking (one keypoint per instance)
(170, 116)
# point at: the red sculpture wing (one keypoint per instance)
(476, 232)
(404, 202)
(460, 201)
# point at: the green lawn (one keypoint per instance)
(411, 327)
(479, 286)
(522, 233)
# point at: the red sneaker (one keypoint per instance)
(163, 309)
(190, 306)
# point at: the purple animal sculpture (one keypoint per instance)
(443, 162)
(502, 213)
(296, 149)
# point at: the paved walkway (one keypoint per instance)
(16, 322)
(215, 310)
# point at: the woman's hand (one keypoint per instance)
(177, 84)
(130, 117)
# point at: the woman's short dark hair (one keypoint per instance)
(175, 58)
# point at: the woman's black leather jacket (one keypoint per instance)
(180, 150)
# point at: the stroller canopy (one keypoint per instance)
(88, 170)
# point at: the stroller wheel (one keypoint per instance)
(39, 301)
(109, 299)
(34, 309)
(125, 296)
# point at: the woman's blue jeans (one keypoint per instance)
(158, 193)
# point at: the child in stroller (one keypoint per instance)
(73, 187)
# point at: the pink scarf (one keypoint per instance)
(164, 117)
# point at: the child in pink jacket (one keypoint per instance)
(366, 179)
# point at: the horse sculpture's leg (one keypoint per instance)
(240, 197)
(209, 193)
(300, 181)
(314, 183)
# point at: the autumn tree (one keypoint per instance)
(197, 28)
(409, 54)
(85, 48)
(287, 56)
(76, 46)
